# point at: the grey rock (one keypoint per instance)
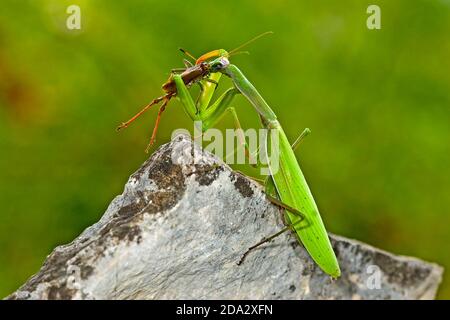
(179, 229)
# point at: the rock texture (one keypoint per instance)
(182, 224)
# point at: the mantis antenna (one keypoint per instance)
(224, 53)
(236, 50)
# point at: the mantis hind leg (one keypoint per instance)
(290, 226)
(243, 143)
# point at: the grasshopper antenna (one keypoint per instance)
(187, 54)
(235, 50)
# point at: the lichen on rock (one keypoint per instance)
(179, 229)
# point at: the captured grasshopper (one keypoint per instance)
(288, 183)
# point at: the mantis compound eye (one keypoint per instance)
(224, 62)
(220, 64)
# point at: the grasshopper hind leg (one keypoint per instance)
(137, 115)
(158, 118)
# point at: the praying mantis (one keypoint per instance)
(286, 186)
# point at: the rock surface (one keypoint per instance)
(178, 230)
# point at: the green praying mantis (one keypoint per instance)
(286, 185)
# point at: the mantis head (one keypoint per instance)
(219, 64)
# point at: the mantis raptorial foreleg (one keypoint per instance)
(211, 114)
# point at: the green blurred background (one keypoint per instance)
(377, 102)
